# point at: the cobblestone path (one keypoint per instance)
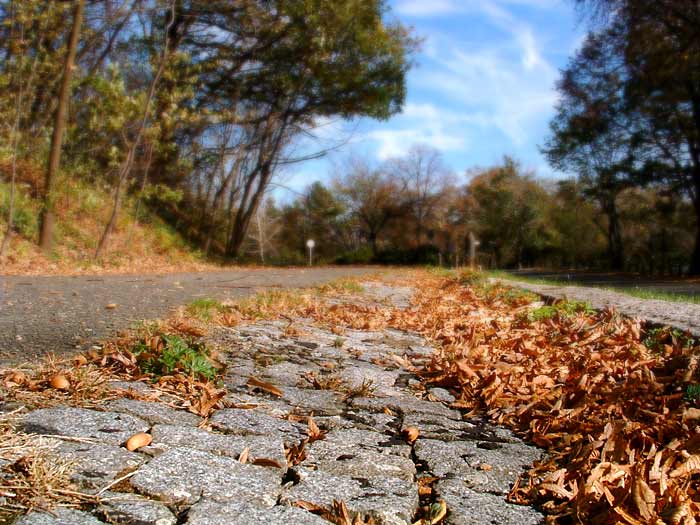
(191, 474)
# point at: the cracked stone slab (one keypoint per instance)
(169, 436)
(381, 380)
(467, 507)
(321, 402)
(243, 513)
(441, 394)
(182, 476)
(374, 421)
(131, 509)
(405, 404)
(287, 373)
(354, 440)
(390, 500)
(433, 426)
(250, 422)
(108, 427)
(60, 516)
(95, 465)
(482, 466)
(365, 464)
(153, 413)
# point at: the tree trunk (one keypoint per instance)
(47, 212)
(614, 234)
(125, 169)
(695, 260)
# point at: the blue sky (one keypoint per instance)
(483, 86)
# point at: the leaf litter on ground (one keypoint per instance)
(617, 412)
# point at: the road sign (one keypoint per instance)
(310, 245)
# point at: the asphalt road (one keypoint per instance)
(39, 315)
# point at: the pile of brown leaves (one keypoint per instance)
(624, 441)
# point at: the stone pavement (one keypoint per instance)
(360, 392)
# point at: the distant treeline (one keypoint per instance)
(412, 210)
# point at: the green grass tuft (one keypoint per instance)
(205, 309)
(176, 355)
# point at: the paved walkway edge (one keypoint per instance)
(685, 316)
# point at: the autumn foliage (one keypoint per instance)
(610, 399)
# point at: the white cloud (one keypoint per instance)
(502, 84)
(427, 8)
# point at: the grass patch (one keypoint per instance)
(657, 339)
(341, 286)
(205, 309)
(169, 354)
(560, 309)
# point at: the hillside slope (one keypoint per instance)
(141, 243)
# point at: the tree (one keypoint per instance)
(425, 179)
(128, 163)
(661, 48)
(373, 198)
(592, 131)
(47, 214)
(508, 212)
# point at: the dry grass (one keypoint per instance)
(137, 245)
(32, 478)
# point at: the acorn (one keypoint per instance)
(135, 442)
(60, 382)
(410, 434)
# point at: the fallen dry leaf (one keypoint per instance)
(254, 382)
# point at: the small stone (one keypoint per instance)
(434, 426)
(154, 413)
(251, 422)
(107, 427)
(365, 464)
(286, 373)
(182, 476)
(243, 513)
(382, 381)
(59, 516)
(131, 509)
(463, 460)
(353, 440)
(320, 402)
(130, 386)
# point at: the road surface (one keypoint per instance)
(61, 314)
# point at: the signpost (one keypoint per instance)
(310, 245)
